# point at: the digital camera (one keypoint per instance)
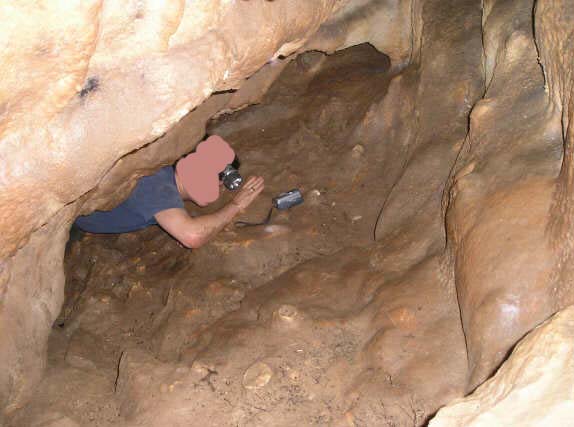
(230, 176)
(287, 200)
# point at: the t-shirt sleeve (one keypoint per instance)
(155, 193)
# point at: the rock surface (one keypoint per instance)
(87, 83)
(322, 320)
(503, 253)
(141, 63)
(459, 149)
(534, 387)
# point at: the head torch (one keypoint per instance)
(230, 176)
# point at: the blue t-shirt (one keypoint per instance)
(152, 194)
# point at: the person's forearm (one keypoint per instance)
(207, 226)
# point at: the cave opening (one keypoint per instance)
(144, 293)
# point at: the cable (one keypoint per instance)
(241, 224)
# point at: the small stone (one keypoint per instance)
(200, 369)
(257, 376)
(294, 375)
(313, 197)
(287, 312)
(358, 151)
(286, 316)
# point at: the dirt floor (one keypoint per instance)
(305, 321)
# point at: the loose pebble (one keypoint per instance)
(257, 376)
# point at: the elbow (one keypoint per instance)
(192, 241)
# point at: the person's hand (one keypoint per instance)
(249, 192)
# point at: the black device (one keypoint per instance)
(287, 200)
(230, 175)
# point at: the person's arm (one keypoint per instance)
(195, 232)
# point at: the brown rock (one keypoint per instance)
(62, 126)
(534, 387)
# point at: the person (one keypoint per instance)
(158, 198)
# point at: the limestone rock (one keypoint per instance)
(83, 84)
(387, 25)
(160, 61)
(368, 334)
(533, 388)
(502, 257)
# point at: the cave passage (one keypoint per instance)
(426, 280)
(142, 293)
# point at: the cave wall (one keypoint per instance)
(554, 35)
(88, 83)
(389, 25)
(119, 76)
(533, 388)
(504, 252)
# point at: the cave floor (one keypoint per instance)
(306, 321)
